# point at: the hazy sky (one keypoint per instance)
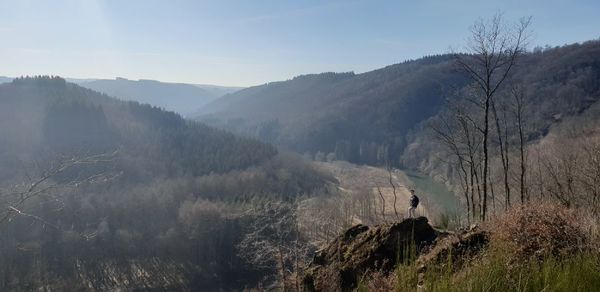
(252, 42)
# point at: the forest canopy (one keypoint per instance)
(92, 182)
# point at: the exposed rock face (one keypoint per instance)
(361, 248)
(461, 247)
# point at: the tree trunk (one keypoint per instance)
(486, 130)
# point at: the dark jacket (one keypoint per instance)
(414, 201)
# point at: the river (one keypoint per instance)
(433, 191)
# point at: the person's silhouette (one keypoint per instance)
(414, 202)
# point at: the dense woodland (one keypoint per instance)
(92, 186)
(493, 123)
(373, 117)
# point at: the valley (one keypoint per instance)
(373, 181)
(300, 176)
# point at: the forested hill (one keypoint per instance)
(48, 116)
(367, 117)
(179, 97)
(101, 194)
(339, 112)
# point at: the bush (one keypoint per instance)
(580, 272)
(540, 230)
(536, 247)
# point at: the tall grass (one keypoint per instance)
(536, 247)
(493, 272)
(580, 272)
(539, 247)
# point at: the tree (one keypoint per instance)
(493, 50)
(502, 132)
(391, 181)
(518, 94)
(454, 133)
(275, 243)
(14, 198)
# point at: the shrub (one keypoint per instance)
(378, 281)
(536, 247)
(579, 272)
(540, 230)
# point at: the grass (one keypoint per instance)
(538, 247)
(493, 272)
(580, 272)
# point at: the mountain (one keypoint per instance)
(72, 80)
(5, 79)
(183, 98)
(559, 85)
(372, 117)
(178, 97)
(218, 90)
(344, 113)
(62, 116)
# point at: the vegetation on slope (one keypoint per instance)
(94, 190)
(538, 247)
(533, 248)
(178, 97)
(372, 117)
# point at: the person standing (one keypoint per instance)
(413, 203)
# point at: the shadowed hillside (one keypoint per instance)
(372, 117)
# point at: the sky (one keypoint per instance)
(244, 43)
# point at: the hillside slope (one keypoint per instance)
(372, 117)
(358, 117)
(51, 115)
(135, 216)
(178, 97)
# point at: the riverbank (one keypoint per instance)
(391, 189)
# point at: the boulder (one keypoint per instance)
(362, 249)
(456, 249)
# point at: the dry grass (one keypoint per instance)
(540, 230)
(536, 247)
(379, 282)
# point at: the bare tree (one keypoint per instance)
(590, 172)
(518, 94)
(493, 50)
(459, 130)
(504, 144)
(274, 242)
(13, 199)
(448, 133)
(391, 181)
(569, 175)
(382, 199)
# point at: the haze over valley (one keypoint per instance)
(356, 146)
(184, 99)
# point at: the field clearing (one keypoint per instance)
(365, 196)
(371, 180)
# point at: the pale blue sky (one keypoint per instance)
(246, 43)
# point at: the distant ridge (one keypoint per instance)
(178, 97)
(182, 98)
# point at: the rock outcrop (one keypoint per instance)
(363, 249)
(456, 249)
